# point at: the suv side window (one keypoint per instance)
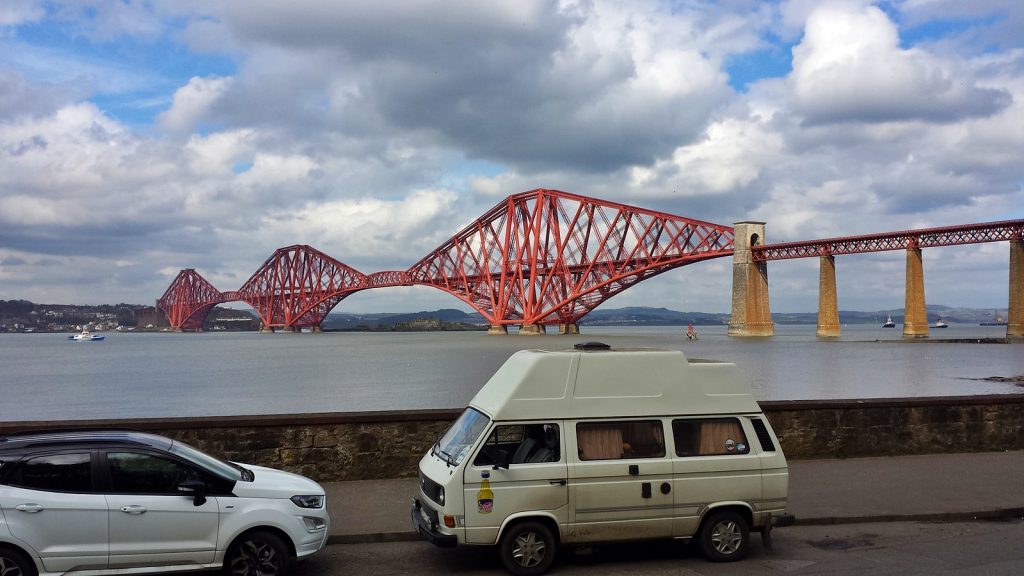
(524, 444)
(614, 440)
(709, 437)
(138, 473)
(70, 472)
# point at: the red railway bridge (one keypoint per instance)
(548, 257)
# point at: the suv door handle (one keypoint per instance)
(558, 482)
(30, 508)
(133, 509)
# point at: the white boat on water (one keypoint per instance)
(940, 324)
(86, 336)
(888, 322)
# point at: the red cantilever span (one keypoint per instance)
(188, 300)
(297, 286)
(546, 256)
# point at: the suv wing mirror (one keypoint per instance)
(195, 487)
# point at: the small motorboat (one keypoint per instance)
(86, 336)
(691, 334)
(888, 322)
(940, 324)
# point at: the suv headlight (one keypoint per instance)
(312, 501)
(440, 496)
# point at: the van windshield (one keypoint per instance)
(456, 442)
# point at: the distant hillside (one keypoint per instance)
(646, 316)
(384, 320)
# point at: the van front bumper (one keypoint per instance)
(428, 528)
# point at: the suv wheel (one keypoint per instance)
(724, 536)
(527, 549)
(15, 563)
(257, 554)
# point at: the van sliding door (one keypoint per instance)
(620, 482)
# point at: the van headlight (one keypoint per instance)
(440, 496)
(311, 501)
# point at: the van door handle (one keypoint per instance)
(134, 509)
(558, 482)
(30, 508)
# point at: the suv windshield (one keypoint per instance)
(456, 442)
(229, 471)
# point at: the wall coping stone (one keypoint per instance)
(329, 418)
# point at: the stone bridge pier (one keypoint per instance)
(751, 312)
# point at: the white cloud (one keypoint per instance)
(15, 12)
(193, 102)
(850, 67)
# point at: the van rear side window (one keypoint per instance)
(709, 437)
(618, 440)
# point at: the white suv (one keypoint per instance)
(117, 502)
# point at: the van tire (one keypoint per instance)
(724, 536)
(527, 548)
(15, 563)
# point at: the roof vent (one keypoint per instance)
(592, 346)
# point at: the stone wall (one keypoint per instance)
(367, 445)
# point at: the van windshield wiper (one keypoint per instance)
(436, 450)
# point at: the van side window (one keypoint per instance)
(709, 437)
(524, 444)
(614, 440)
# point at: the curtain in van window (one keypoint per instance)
(715, 434)
(599, 442)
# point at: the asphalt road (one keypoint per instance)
(897, 548)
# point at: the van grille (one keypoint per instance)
(430, 489)
(762, 435)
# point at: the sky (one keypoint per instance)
(138, 138)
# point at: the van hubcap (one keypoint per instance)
(528, 550)
(726, 537)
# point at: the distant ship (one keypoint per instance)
(940, 324)
(86, 336)
(888, 322)
(999, 320)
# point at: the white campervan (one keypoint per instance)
(598, 445)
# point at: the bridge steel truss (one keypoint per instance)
(547, 256)
(921, 238)
(188, 300)
(297, 286)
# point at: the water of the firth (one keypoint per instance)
(45, 377)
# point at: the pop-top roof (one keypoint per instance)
(596, 382)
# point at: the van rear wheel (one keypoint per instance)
(724, 536)
(527, 549)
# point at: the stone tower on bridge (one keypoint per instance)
(751, 312)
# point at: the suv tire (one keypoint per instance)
(14, 562)
(257, 554)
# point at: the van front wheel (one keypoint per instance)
(527, 549)
(724, 536)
